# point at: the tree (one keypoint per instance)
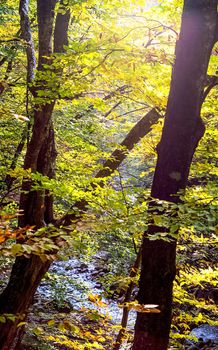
(40, 156)
(183, 128)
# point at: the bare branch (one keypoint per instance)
(112, 109)
(132, 111)
(100, 63)
(213, 81)
(142, 128)
(155, 21)
(9, 40)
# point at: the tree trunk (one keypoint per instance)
(26, 275)
(35, 206)
(182, 131)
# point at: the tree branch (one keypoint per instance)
(9, 179)
(3, 60)
(112, 109)
(142, 128)
(212, 83)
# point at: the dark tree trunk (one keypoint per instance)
(26, 275)
(182, 131)
(35, 206)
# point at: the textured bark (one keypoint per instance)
(142, 128)
(182, 131)
(46, 165)
(157, 275)
(45, 14)
(27, 36)
(27, 273)
(35, 206)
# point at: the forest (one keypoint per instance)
(108, 174)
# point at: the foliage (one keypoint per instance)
(116, 68)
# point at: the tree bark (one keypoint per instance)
(182, 131)
(26, 34)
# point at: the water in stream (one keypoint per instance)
(74, 281)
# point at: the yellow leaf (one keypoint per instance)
(16, 248)
(21, 324)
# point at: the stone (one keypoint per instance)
(205, 333)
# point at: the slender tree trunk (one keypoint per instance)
(182, 131)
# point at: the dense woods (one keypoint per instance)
(108, 164)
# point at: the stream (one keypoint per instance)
(72, 282)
